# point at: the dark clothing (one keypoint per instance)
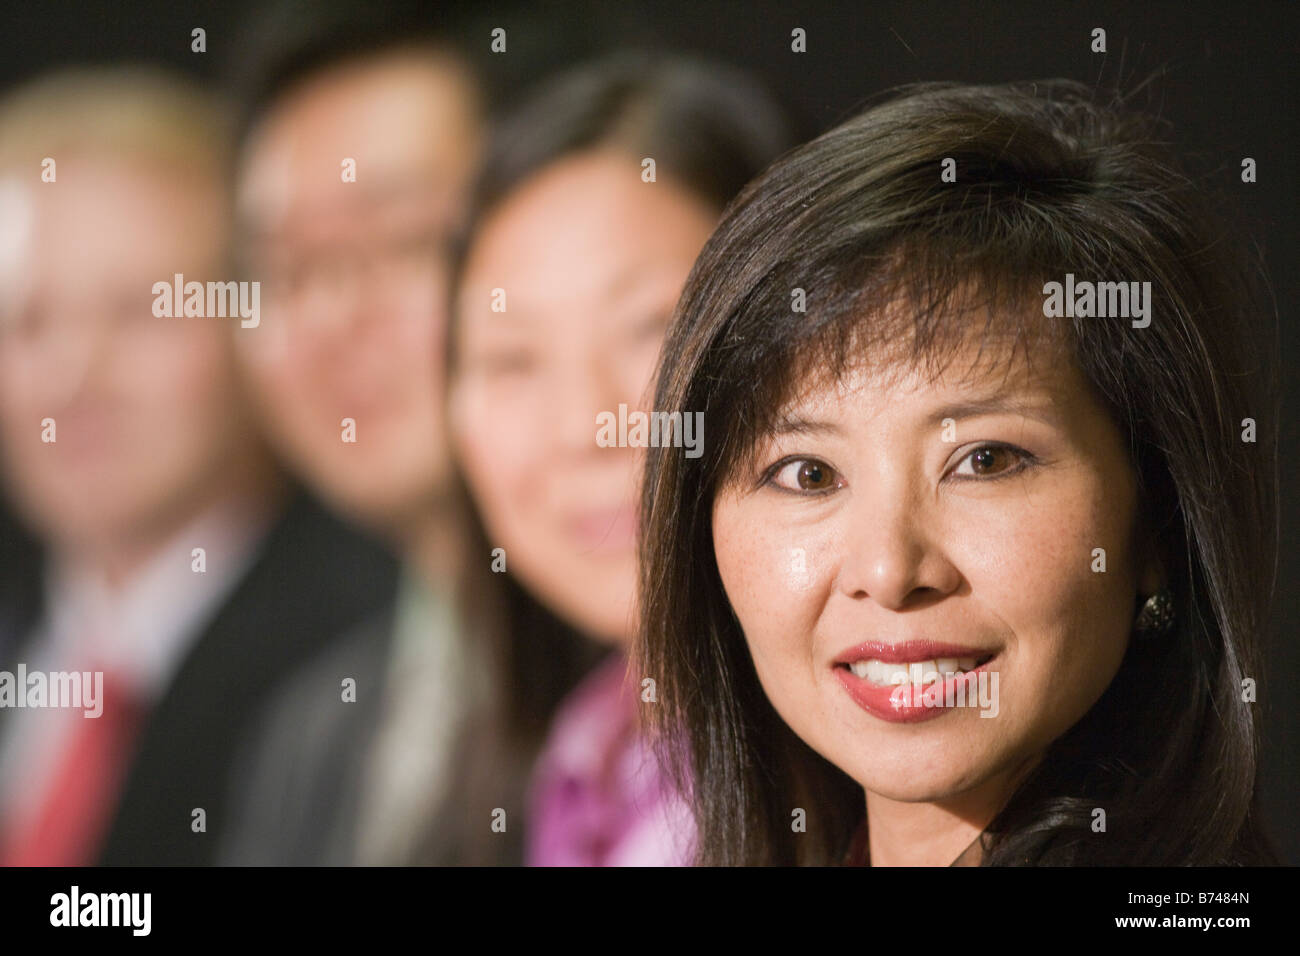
(297, 791)
(312, 577)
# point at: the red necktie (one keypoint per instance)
(83, 791)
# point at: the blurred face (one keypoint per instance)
(354, 275)
(874, 547)
(591, 260)
(146, 410)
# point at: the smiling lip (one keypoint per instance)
(908, 652)
(879, 700)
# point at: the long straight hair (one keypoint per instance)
(1047, 182)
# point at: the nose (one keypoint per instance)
(893, 550)
(340, 303)
(582, 388)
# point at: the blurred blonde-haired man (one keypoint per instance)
(179, 573)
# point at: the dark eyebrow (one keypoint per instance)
(797, 425)
(1045, 412)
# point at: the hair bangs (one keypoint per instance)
(913, 308)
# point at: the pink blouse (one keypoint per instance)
(598, 797)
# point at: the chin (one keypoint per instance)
(610, 622)
(928, 790)
(371, 495)
(911, 774)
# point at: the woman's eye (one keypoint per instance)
(649, 327)
(992, 461)
(507, 363)
(804, 474)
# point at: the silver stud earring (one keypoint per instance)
(1157, 615)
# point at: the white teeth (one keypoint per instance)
(918, 672)
(878, 672)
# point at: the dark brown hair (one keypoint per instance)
(711, 129)
(1047, 182)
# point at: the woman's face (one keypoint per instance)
(898, 526)
(562, 310)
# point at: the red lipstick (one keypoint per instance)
(911, 702)
(908, 652)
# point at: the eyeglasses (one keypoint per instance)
(299, 284)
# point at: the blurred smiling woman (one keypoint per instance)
(565, 282)
(917, 483)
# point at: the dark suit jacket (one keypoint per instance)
(297, 790)
(313, 578)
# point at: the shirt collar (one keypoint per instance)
(142, 629)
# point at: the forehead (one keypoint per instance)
(409, 125)
(976, 358)
(586, 226)
(994, 363)
(113, 214)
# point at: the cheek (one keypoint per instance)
(19, 382)
(196, 389)
(496, 445)
(1039, 573)
(192, 367)
(281, 372)
(416, 338)
(775, 578)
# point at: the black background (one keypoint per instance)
(1221, 73)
